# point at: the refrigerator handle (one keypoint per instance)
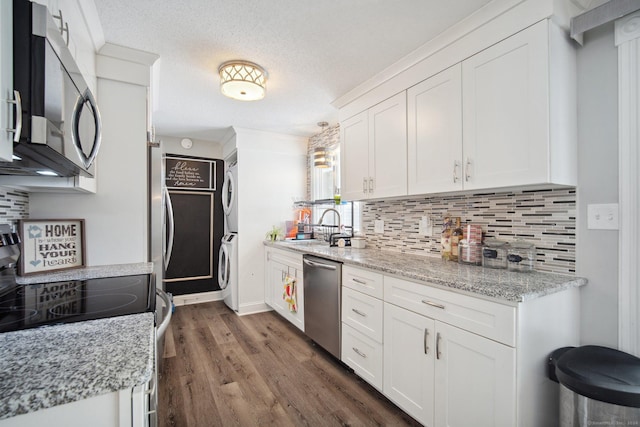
(169, 244)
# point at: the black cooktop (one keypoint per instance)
(30, 306)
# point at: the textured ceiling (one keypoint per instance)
(313, 51)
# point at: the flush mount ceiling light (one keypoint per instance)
(243, 80)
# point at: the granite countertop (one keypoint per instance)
(500, 285)
(53, 365)
(83, 273)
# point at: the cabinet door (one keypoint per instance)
(408, 362)
(388, 147)
(434, 128)
(506, 112)
(354, 157)
(277, 271)
(7, 111)
(475, 380)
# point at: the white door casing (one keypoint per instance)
(627, 39)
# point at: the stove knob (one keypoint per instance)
(4, 240)
(16, 238)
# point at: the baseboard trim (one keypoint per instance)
(197, 298)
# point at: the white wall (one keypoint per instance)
(116, 216)
(271, 172)
(200, 148)
(597, 250)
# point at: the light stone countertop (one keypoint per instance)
(52, 365)
(499, 285)
(94, 272)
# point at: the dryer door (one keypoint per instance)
(228, 192)
(224, 267)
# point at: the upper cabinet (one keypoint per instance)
(373, 148)
(504, 117)
(7, 109)
(518, 100)
(434, 121)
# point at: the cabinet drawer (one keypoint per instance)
(364, 281)
(363, 313)
(363, 355)
(292, 259)
(485, 318)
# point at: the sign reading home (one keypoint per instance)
(189, 173)
(48, 245)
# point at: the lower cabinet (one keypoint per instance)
(456, 360)
(125, 408)
(445, 376)
(281, 265)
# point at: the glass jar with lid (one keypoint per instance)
(494, 254)
(469, 252)
(521, 256)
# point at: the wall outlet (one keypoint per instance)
(602, 217)
(425, 227)
(378, 226)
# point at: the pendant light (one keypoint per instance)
(243, 80)
(321, 155)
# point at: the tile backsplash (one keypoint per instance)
(14, 205)
(546, 218)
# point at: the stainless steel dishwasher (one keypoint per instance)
(322, 302)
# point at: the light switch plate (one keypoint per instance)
(378, 226)
(603, 217)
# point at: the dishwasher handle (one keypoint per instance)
(319, 265)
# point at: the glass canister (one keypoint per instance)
(521, 256)
(469, 252)
(494, 254)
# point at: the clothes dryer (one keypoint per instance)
(230, 199)
(228, 270)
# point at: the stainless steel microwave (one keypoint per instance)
(58, 125)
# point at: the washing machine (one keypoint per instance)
(230, 199)
(228, 270)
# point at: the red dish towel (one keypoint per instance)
(290, 292)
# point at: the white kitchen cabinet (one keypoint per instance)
(434, 131)
(519, 118)
(362, 324)
(409, 362)
(7, 110)
(279, 264)
(373, 148)
(445, 376)
(475, 380)
(125, 408)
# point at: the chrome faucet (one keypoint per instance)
(330, 210)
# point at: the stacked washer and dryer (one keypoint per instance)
(228, 260)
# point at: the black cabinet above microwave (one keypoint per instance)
(58, 125)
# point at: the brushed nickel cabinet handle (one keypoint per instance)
(361, 282)
(358, 312)
(359, 353)
(438, 354)
(370, 185)
(455, 171)
(364, 185)
(433, 304)
(426, 346)
(467, 173)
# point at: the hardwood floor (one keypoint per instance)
(220, 369)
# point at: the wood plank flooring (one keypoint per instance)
(220, 369)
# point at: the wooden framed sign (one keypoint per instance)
(50, 245)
